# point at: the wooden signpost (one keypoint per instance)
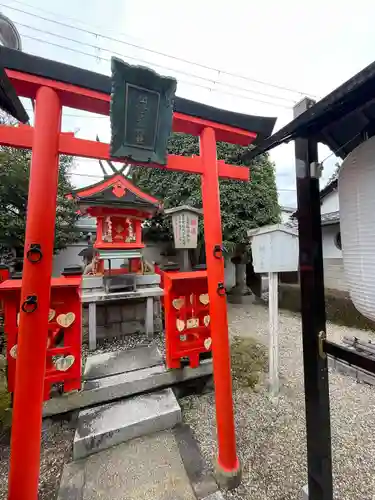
(185, 230)
(275, 249)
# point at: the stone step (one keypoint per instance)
(113, 363)
(305, 493)
(105, 426)
(111, 388)
(145, 468)
(149, 467)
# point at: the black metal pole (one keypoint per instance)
(318, 428)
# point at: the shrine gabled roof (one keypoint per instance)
(341, 120)
(53, 70)
(116, 191)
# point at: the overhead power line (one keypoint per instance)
(211, 89)
(140, 47)
(93, 176)
(89, 176)
(198, 77)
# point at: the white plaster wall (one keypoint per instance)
(151, 252)
(330, 203)
(330, 250)
(229, 274)
(285, 217)
(68, 257)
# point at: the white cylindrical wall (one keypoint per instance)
(357, 213)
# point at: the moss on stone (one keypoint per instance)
(5, 400)
(249, 360)
(5, 411)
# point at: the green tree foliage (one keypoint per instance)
(244, 205)
(14, 182)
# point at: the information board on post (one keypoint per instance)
(185, 230)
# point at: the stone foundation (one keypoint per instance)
(361, 376)
(120, 317)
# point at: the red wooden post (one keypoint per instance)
(228, 466)
(138, 231)
(99, 229)
(36, 281)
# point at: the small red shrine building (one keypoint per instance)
(120, 208)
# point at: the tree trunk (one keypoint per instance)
(253, 280)
(240, 289)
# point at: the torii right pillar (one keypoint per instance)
(228, 468)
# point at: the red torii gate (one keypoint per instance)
(54, 85)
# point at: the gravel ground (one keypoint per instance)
(123, 343)
(57, 441)
(271, 436)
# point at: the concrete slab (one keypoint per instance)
(305, 493)
(215, 496)
(104, 426)
(113, 363)
(352, 371)
(201, 478)
(365, 377)
(72, 481)
(147, 279)
(91, 281)
(346, 369)
(147, 468)
(123, 385)
(102, 296)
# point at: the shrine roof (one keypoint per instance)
(115, 191)
(341, 120)
(53, 70)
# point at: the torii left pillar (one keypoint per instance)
(228, 467)
(35, 298)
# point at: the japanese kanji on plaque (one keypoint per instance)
(185, 229)
(185, 226)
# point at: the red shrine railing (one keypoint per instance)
(64, 333)
(187, 317)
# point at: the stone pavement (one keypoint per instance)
(146, 468)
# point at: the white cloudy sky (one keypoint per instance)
(310, 47)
